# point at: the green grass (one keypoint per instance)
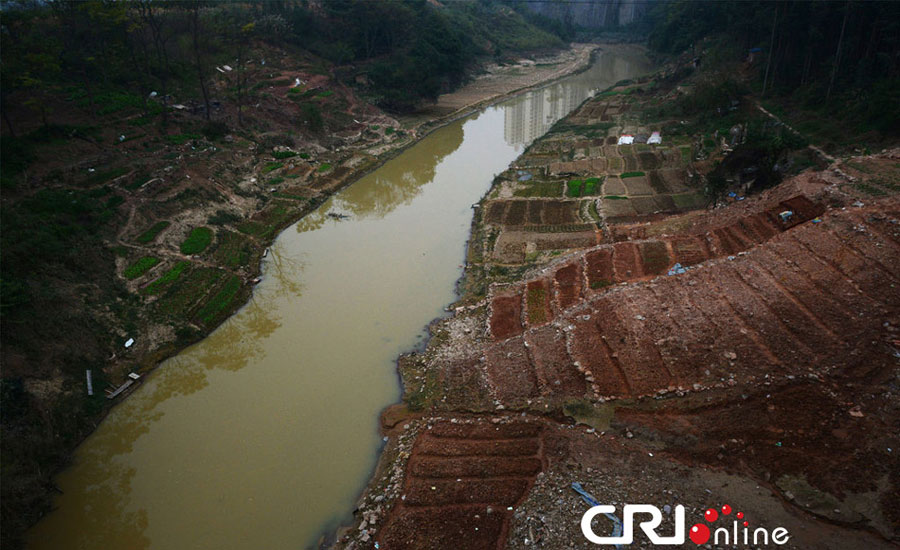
(220, 301)
(140, 267)
(197, 241)
(324, 167)
(304, 156)
(284, 154)
(632, 175)
(573, 188)
(272, 166)
(151, 234)
(389, 130)
(167, 278)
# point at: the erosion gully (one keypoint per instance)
(263, 434)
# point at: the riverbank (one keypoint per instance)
(613, 332)
(278, 184)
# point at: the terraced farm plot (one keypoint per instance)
(456, 472)
(167, 278)
(274, 217)
(232, 249)
(218, 304)
(150, 235)
(140, 267)
(197, 241)
(188, 291)
(539, 189)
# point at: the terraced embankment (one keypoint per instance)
(746, 354)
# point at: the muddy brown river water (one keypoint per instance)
(263, 434)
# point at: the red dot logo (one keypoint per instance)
(711, 515)
(699, 533)
(740, 515)
(746, 523)
(726, 510)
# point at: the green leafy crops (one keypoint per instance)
(140, 267)
(197, 241)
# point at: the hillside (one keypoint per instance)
(150, 155)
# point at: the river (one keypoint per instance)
(263, 434)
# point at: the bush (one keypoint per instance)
(197, 241)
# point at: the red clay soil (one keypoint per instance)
(462, 480)
(774, 356)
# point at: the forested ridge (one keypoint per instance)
(834, 65)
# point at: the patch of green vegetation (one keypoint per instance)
(325, 93)
(573, 188)
(304, 156)
(167, 278)
(150, 234)
(602, 283)
(870, 190)
(197, 241)
(280, 155)
(218, 304)
(632, 175)
(140, 267)
(181, 139)
(537, 313)
(324, 167)
(233, 249)
(266, 222)
(389, 130)
(222, 217)
(275, 181)
(615, 198)
(270, 166)
(539, 189)
(187, 291)
(590, 186)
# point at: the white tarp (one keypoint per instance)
(626, 139)
(655, 138)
